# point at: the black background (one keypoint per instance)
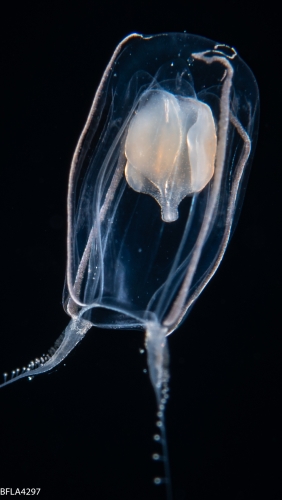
(86, 430)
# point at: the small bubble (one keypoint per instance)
(156, 456)
(160, 414)
(139, 250)
(171, 64)
(159, 423)
(145, 370)
(157, 480)
(157, 437)
(141, 351)
(30, 378)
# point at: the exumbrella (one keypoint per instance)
(155, 188)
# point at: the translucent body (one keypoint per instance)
(155, 189)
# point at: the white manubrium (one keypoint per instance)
(170, 149)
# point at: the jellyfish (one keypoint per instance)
(155, 188)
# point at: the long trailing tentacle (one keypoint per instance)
(66, 342)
